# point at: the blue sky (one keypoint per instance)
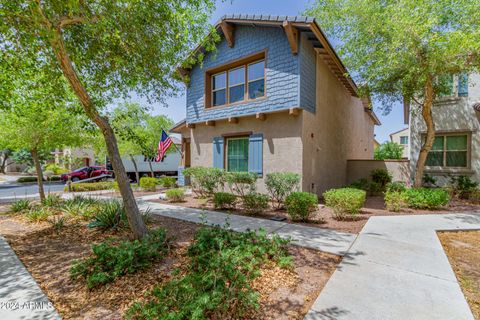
(176, 106)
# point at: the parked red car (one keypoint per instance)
(84, 173)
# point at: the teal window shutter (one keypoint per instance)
(463, 85)
(218, 152)
(255, 153)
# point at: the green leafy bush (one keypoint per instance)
(109, 215)
(56, 169)
(254, 202)
(52, 200)
(175, 195)
(242, 183)
(424, 198)
(395, 200)
(38, 214)
(345, 201)
(55, 178)
(167, 182)
(374, 188)
(27, 179)
(205, 181)
(90, 186)
(224, 200)
(281, 184)
(20, 205)
(463, 186)
(396, 186)
(218, 277)
(381, 176)
(388, 151)
(362, 184)
(109, 261)
(148, 183)
(57, 222)
(300, 205)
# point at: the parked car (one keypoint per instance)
(85, 173)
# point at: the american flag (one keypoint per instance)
(163, 145)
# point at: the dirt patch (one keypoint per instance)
(48, 256)
(323, 217)
(463, 251)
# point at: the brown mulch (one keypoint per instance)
(463, 251)
(48, 256)
(323, 217)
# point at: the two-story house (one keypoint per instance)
(402, 138)
(456, 149)
(275, 97)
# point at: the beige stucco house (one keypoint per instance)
(275, 97)
(402, 137)
(456, 150)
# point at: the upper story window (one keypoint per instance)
(456, 85)
(240, 81)
(404, 140)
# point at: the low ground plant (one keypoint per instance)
(463, 186)
(300, 205)
(381, 176)
(395, 200)
(242, 183)
(425, 198)
(52, 200)
(57, 222)
(20, 205)
(90, 186)
(109, 215)
(167, 182)
(148, 183)
(175, 195)
(38, 214)
(27, 179)
(396, 186)
(280, 185)
(224, 200)
(205, 181)
(345, 202)
(216, 283)
(255, 203)
(110, 260)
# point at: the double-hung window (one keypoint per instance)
(219, 89)
(449, 151)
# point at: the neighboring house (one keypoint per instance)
(274, 97)
(402, 137)
(74, 158)
(376, 144)
(456, 150)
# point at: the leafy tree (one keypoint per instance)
(401, 49)
(388, 151)
(106, 50)
(153, 132)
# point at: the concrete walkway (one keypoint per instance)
(397, 269)
(20, 296)
(317, 238)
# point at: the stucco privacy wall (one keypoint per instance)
(359, 169)
(282, 70)
(282, 145)
(339, 130)
(450, 115)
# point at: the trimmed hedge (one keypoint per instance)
(92, 186)
(175, 195)
(148, 183)
(424, 198)
(300, 205)
(224, 200)
(255, 203)
(27, 179)
(345, 201)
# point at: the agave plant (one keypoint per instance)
(109, 215)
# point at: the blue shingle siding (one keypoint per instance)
(282, 74)
(307, 66)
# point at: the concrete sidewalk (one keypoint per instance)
(397, 269)
(317, 238)
(20, 296)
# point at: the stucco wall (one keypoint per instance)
(282, 70)
(359, 169)
(339, 130)
(450, 115)
(282, 145)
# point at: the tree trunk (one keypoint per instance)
(38, 168)
(135, 220)
(430, 137)
(137, 175)
(4, 163)
(151, 169)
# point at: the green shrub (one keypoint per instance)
(38, 213)
(242, 183)
(167, 182)
(55, 178)
(80, 206)
(57, 222)
(109, 215)
(300, 205)
(90, 186)
(361, 184)
(395, 200)
(396, 186)
(375, 188)
(281, 184)
(175, 195)
(463, 186)
(388, 151)
(109, 261)
(381, 176)
(224, 200)
(429, 181)
(27, 179)
(345, 201)
(205, 181)
(217, 281)
(148, 183)
(55, 169)
(254, 202)
(52, 200)
(20, 205)
(424, 198)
